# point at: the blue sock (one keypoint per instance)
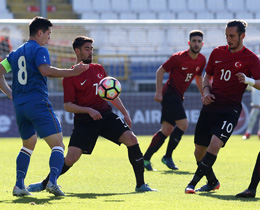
(22, 164)
(56, 163)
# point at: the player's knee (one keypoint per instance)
(183, 126)
(128, 138)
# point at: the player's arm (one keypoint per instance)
(51, 71)
(74, 108)
(3, 84)
(119, 105)
(242, 78)
(198, 79)
(206, 86)
(159, 84)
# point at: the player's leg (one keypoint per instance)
(28, 134)
(156, 143)
(207, 162)
(82, 140)
(173, 114)
(136, 159)
(22, 164)
(250, 192)
(73, 155)
(251, 122)
(116, 130)
(175, 137)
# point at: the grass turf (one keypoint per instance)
(105, 180)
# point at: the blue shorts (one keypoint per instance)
(36, 116)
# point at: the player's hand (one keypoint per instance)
(95, 114)
(208, 99)
(80, 68)
(158, 97)
(128, 120)
(240, 77)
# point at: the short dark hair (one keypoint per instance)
(79, 41)
(241, 25)
(39, 23)
(196, 33)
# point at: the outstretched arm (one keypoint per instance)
(119, 105)
(51, 71)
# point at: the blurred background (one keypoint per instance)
(132, 39)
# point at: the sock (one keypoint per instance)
(252, 119)
(212, 180)
(204, 168)
(157, 142)
(65, 168)
(22, 164)
(256, 175)
(56, 163)
(174, 140)
(136, 159)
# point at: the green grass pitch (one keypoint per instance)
(105, 179)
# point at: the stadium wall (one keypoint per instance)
(145, 114)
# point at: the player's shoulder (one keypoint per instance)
(96, 65)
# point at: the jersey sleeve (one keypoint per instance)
(69, 90)
(255, 68)
(210, 67)
(170, 63)
(199, 73)
(42, 57)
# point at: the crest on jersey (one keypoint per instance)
(238, 65)
(99, 76)
(198, 68)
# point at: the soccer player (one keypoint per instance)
(255, 103)
(93, 117)
(182, 67)
(228, 72)
(30, 65)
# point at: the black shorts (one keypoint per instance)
(172, 109)
(85, 133)
(214, 123)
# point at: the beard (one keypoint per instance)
(87, 61)
(195, 51)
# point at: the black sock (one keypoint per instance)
(204, 168)
(212, 180)
(157, 142)
(136, 159)
(65, 168)
(174, 140)
(256, 175)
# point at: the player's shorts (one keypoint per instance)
(172, 109)
(36, 116)
(86, 133)
(214, 123)
(255, 97)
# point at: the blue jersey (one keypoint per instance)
(28, 82)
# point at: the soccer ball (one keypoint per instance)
(109, 88)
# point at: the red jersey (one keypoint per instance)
(182, 69)
(83, 89)
(223, 66)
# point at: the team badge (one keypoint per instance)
(238, 65)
